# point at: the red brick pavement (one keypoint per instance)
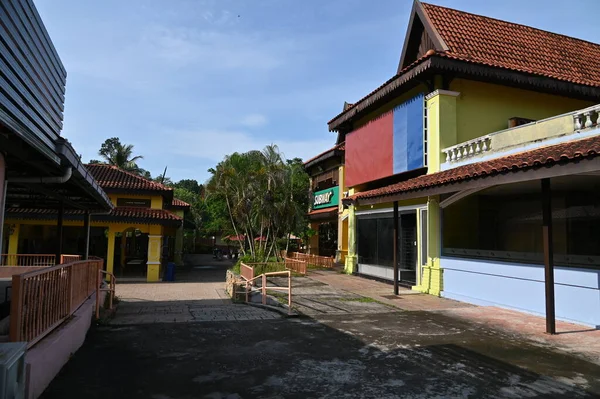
(573, 338)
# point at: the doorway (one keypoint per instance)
(407, 246)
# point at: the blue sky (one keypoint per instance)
(189, 81)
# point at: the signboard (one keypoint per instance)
(326, 198)
(135, 202)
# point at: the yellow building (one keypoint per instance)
(141, 232)
(460, 81)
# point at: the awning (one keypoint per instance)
(326, 213)
(117, 215)
(573, 157)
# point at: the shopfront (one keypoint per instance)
(375, 243)
(324, 222)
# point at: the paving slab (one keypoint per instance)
(385, 355)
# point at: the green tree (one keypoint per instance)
(264, 195)
(121, 155)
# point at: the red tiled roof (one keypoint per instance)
(131, 214)
(321, 211)
(491, 42)
(111, 177)
(483, 40)
(339, 147)
(179, 203)
(544, 156)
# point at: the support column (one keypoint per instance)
(59, 232)
(154, 255)
(395, 248)
(13, 240)
(352, 258)
(3, 188)
(86, 232)
(442, 129)
(548, 255)
(432, 282)
(110, 251)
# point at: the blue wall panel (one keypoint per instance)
(408, 135)
(521, 286)
(400, 139)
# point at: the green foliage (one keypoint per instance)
(259, 194)
(121, 155)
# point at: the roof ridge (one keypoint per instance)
(508, 22)
(152, 182)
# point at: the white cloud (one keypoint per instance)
(214, 145)
(254, 120)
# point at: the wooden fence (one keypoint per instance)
(35, 259)
(247, 272)
(314, 260)
(295, 265)
(42, 299)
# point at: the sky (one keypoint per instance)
(190, 81)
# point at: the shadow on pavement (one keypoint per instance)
(393, 355)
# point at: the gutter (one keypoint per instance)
(46, 179)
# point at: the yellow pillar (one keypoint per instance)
(432, 282)
(110, 251)
(441, 126)
(13, 240)
(352, 257)
(155, 240)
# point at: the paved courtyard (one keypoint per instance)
(198, 295)
(345, 346)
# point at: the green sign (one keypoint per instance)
(326, 198)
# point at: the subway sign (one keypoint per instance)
(326, 198)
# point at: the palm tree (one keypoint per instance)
(120, 155)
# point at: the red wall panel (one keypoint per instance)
(370, 151)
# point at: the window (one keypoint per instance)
(509, 227)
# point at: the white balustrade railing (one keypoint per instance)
(586, 118)
(468, 149)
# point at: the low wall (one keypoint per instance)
(234, 282)
(521, 287)
(47, 357)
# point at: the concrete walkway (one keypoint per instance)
(198, 295)
(572, 338)
(349, 347)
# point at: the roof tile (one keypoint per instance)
(111, 177)
(544, 156)
(483, 40)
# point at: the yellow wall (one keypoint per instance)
(464, 213)
(441, 126)
(484, 108)
(156, 201)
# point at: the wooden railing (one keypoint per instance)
(314, 260)
(35, 259)
(41, 300)
(69, 258)
(264, 288)
(28, 260)
(296, 265)
(247, 272)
